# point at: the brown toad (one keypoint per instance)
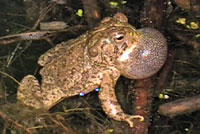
(96, 59)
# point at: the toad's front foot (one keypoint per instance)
(130, 119)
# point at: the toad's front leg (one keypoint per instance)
(109, 101)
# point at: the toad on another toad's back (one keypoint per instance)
(96, 59)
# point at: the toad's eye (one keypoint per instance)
(119, 37)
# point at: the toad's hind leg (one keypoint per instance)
(29, 92)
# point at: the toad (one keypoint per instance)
(96, 59)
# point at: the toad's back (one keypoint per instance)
(62, 75)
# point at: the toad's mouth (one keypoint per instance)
(126, 54)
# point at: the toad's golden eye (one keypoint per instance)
(119, 37)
